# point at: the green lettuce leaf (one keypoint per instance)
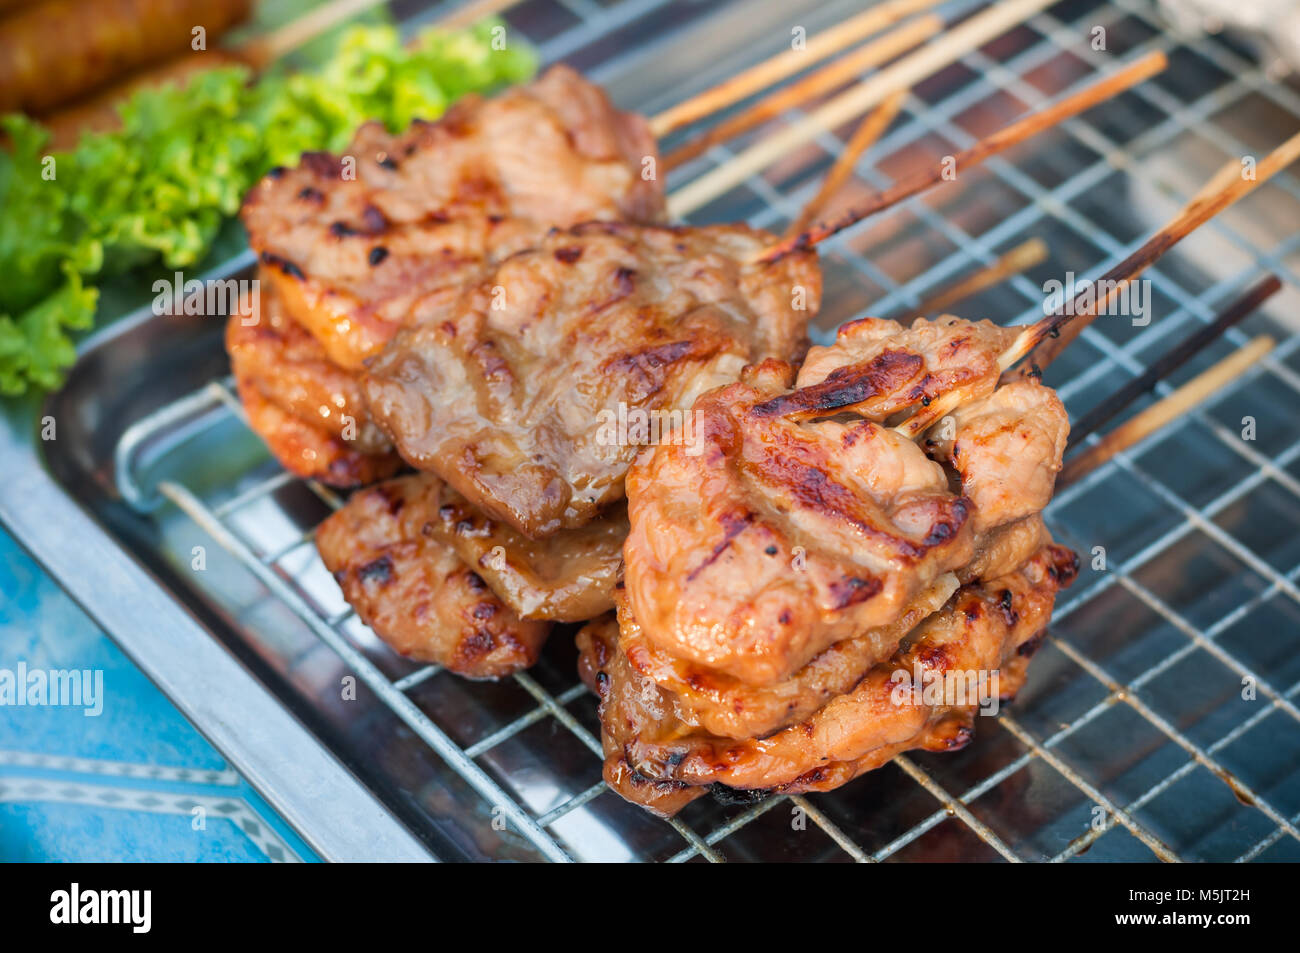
(158, 190)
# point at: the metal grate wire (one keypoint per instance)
(1057, 33)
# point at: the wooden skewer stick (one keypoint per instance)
(472, 12)
(1063, 327)
(1021, 258)
(1175, 358)
(829, 77)
(785, 64)
(864, 137)
(1230, 171)
(1142, 425)
(261, 51)
(1056, 326)
(903, 74)
(1006, 137)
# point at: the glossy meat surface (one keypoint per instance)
(736, 662)
(567, 577)
(514, 394)
(878, 368)
(364, 243)
(312, 414)
(983, 629)
(723, 705)
(783, 537)
(416, 593)
(1007, 447)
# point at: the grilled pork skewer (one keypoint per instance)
(350, 252)
(656, 363)
(795, 559)
(500, 392)
(1003, 441)
(526, 370)
(349, 333)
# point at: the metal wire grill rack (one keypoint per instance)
(1133, 738)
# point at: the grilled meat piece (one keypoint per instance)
(734, 664)
(378, 238)
(726, 706)
(513, 394)
(310, 452)
(1007, 447)
(877, 368)
(311, 413)
(605, 671)
(782, 537)
(57, 51)
(568, 577)
(980, 631)
(1005, 548)
(416, 593)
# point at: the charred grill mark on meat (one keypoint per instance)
(488, 179)
(730, 666)
(415, 592)
(504, 392)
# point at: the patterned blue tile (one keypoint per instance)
(136, 782)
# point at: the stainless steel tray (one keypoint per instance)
(1132, 739)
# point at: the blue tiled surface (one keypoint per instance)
(135, 783)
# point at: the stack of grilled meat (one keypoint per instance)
(479, 298)
(799, 592)
(357, 246)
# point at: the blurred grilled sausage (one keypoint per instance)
(53, 52)
(97, 112)
(8, 6)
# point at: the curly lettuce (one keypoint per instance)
(159, 189)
